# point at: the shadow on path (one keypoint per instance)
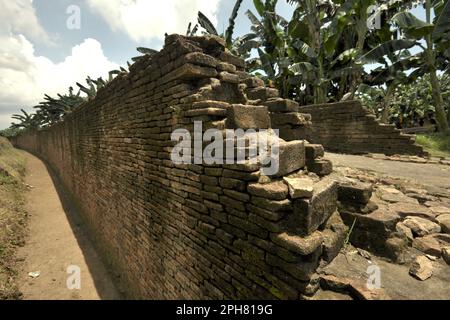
(58, 239)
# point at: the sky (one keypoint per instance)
(47, 45)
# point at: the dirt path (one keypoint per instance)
(56, 241)
(427, 174)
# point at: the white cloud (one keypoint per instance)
(25, 77)
(19, 17)
(151, 19)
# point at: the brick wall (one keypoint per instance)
(348, 127)
(194, 231)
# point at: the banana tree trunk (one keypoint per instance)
(386, 105)
(441, 116)
(320, 94)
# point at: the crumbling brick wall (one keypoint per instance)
(194, 231)
(348, 127)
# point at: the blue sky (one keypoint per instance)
(40, 54)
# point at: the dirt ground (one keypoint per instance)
(427, 174)
(57, 241)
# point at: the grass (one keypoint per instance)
(436, 144)
(12, 216)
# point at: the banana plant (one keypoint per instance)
(300, 55)
(191, 31)
(27, 121)
(436, 35)
(147, 52)
(91, 91)
(209, 28)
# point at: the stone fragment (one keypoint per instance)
(356, 288)
(271, 215)
(248, 117)
(356, 192)
(334, 237)
(389, 189)
(223, 66)
(201, 59)
(228, 77)
(413, 210)
(421, 227)
(229, 183)
(300, 187)
(274, 190)
(232, 59)
(421, 268)
(396, 249)
(403, 230)
(300, 245)
(444, 222)
(190, 71)
(437, 191)
(321, 167)
(359, 208)
(438, 211)
(294, 118)
(363, 253)
(428, 245)
(245, 167)
(288, 133)
(291, 157)
(211, 104)
(273, 205)
(281, 105)
(302, 270)
(259, 93)
(446, 254)
(371, 231)
(254, 82)
(432, 258)
(215, 112)
(360, 290)
(310, 214)
(314, 151)
(397, 197)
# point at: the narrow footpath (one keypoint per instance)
(58, 246)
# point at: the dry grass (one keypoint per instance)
(12, 216)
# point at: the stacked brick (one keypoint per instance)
(194, 231)
(348, 127)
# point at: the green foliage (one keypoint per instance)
(10, 132)
(318, 56)
(437, 144)
(410, 103)
(206, 24)
(238, 46)
(230, 30)
(434, 55)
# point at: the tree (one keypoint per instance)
(409, 103)
(27, 121)
(316, 54)
(436, 35)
